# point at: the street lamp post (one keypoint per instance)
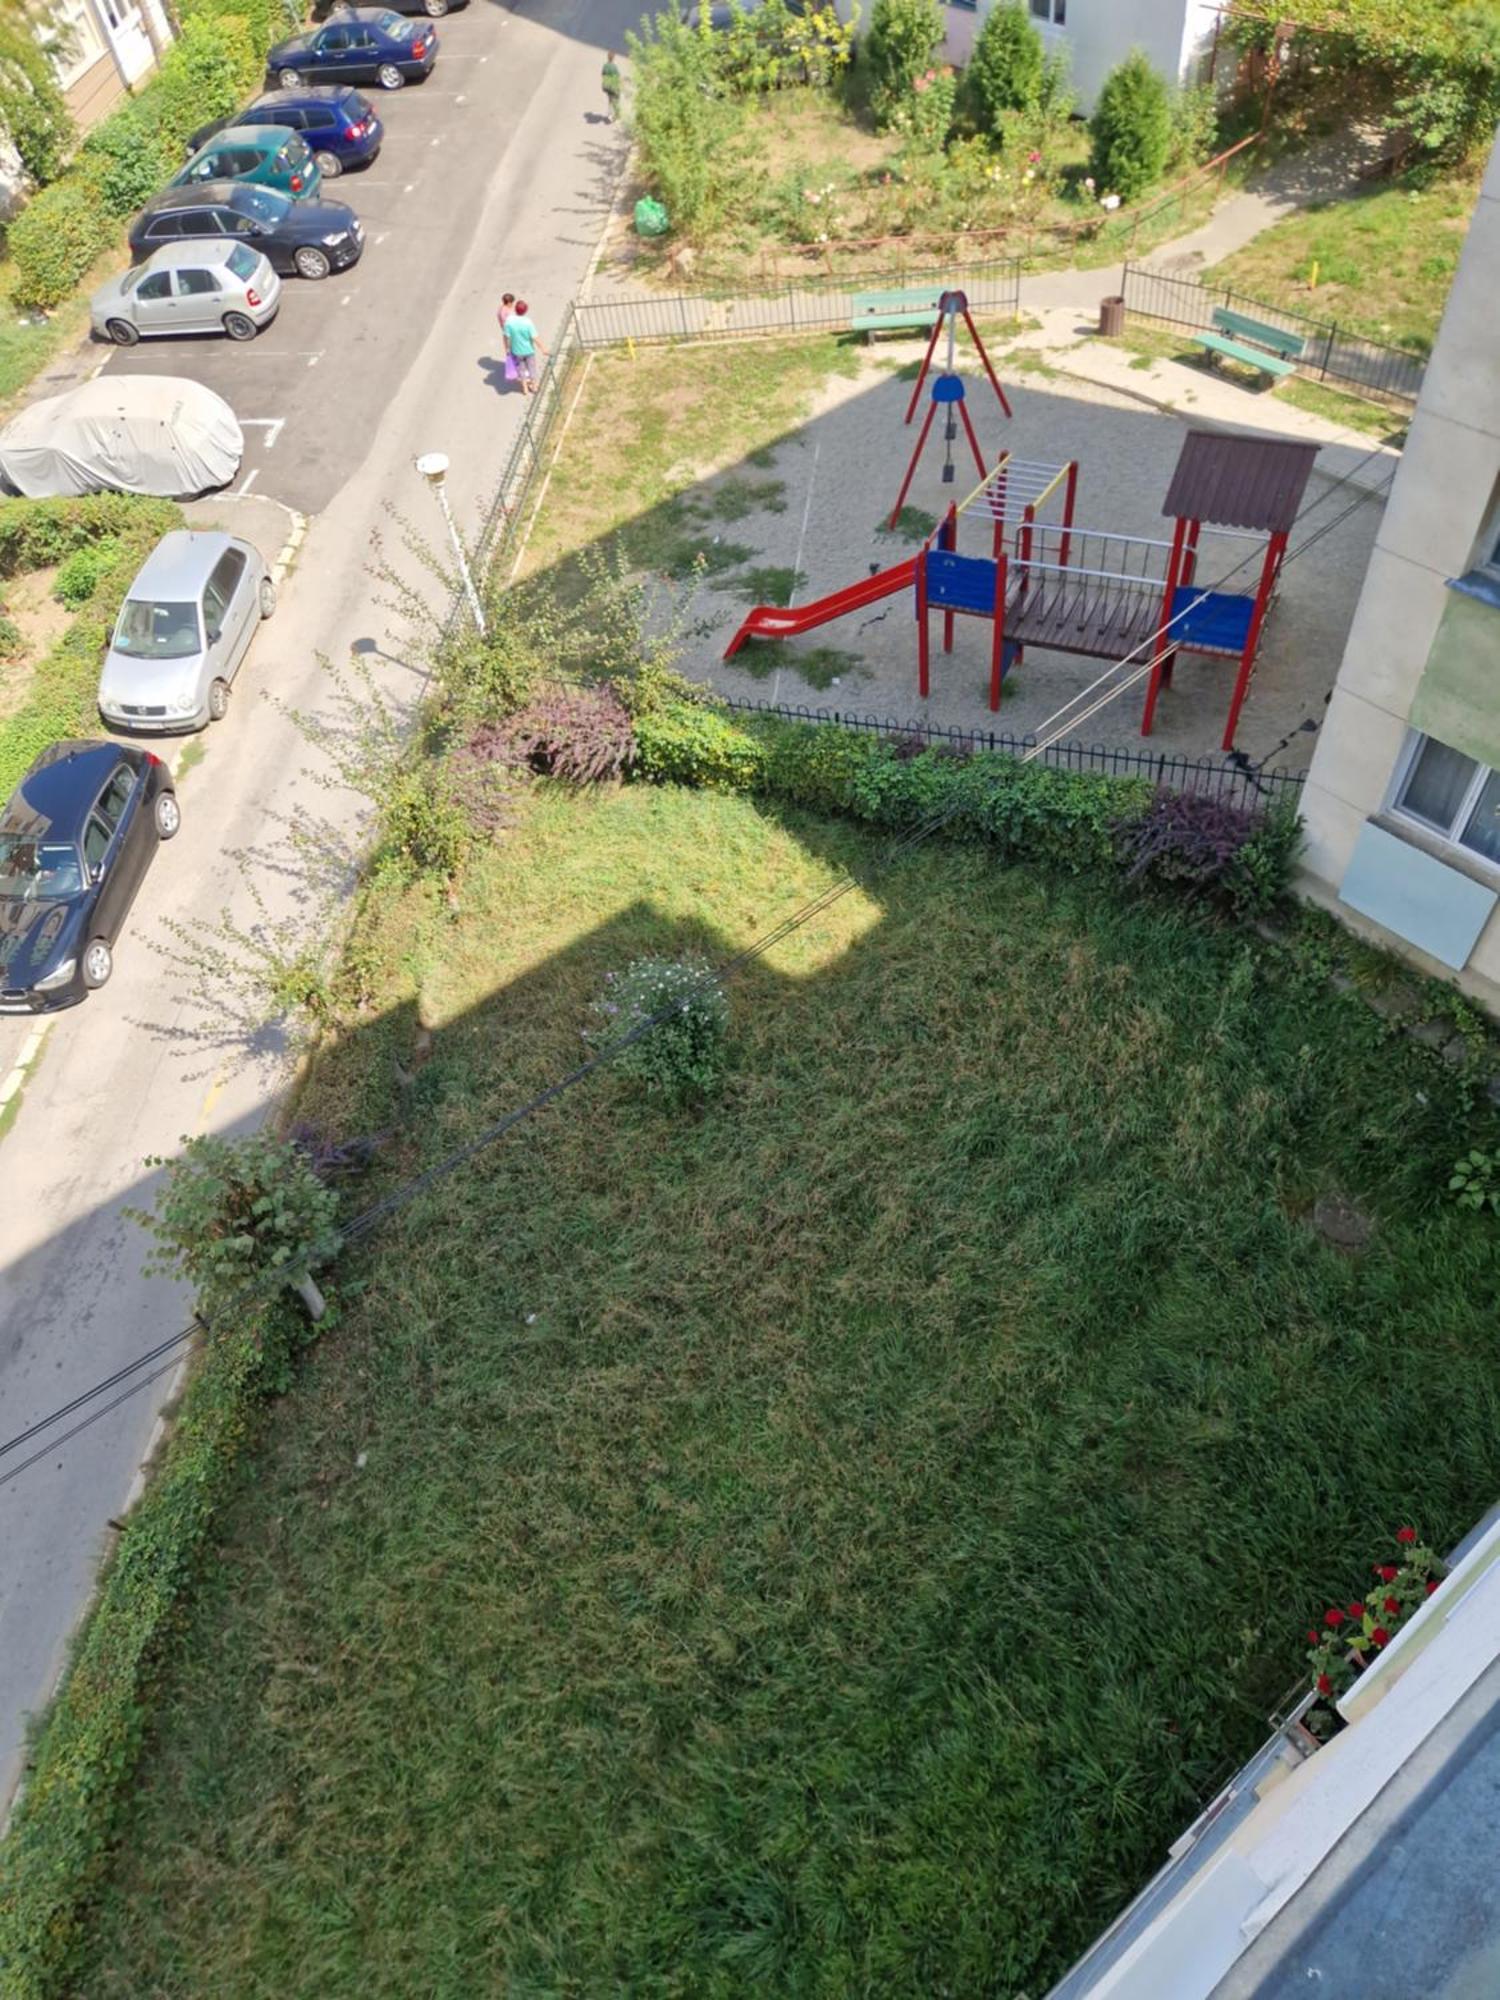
(433, 466)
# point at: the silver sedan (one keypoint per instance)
(204, 286)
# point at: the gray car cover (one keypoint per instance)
(126, 434)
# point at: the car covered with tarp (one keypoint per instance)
(129, 434)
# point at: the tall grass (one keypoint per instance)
(827, 1544)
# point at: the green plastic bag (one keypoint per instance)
(651, 218)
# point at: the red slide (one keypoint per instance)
(775, 621)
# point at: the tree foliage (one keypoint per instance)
(1131, 129)
(33, 115)
(902, 44)
(1007, 66)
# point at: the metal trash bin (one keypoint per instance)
(1112, 316)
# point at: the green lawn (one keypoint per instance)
(829, 1544)
(1385, 260)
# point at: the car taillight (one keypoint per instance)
(252, 298)
(296, 183)
(356, 131)
(419, 49)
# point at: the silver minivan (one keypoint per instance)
(183, 629)
(209, 285)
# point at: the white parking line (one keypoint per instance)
(411, 184)
(313, 360)
(346, 298)
(382, 236)
(245, 484)
(272, 426)
(438, 140)
(28, 1055)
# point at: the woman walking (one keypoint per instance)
(523, 345)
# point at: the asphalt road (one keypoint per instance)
(495, 176)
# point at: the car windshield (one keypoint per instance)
(148, 631)
(242, 261)
(33, 870)
(393, 25)
(262, 204)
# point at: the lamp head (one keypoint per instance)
(433, 466)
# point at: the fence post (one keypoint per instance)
(1333, 334)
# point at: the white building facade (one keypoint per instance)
(1178, 36)
(1402, 803)
(103, 48)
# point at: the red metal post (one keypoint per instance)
(911, 408)
(984, 357)
(1070, 496)
(997, 641)
(922, 653)
(911, 469)
(1161, 649)
(1275, 550)
(963, 411)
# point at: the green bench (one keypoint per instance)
(1270, 349)
(881, 312)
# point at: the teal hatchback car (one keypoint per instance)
(269, 155)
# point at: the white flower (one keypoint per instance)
(1028, 175)
(1109, 201)
(1088, 181)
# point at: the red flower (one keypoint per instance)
(1387, 1572)
(1432, 1584)
(1380, 1637)
(1390, 1604)
(1325, 1685)
(1406, 1535)
(1312, 1638)
(1356, 1609)
(1334, 1617)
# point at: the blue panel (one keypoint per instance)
(961, 583)
(948, 389)
(1414, 895)
(1221, 623)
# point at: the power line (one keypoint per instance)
(379, 1211)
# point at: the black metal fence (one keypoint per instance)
(1235, 782)
(1329, 353)
(993, 291)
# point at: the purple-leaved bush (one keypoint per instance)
(1187, 838)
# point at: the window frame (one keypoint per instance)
(1049, 13)
(1451, 840)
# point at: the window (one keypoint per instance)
(225, 580)
(333, 41)
(244, 263)
(1055, 11)
(157, 286)
(163, 227)
(95, 843)
(221, 222)
(115, 797)
(1452, 796)
(196, 283)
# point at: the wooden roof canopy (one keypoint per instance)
(1231, 481)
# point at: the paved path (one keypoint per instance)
(525, 163)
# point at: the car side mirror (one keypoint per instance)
(96, 873)
(215, 633)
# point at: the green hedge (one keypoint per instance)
(215, 64)
(34, 533)
(1063, 819)
(84, 1760)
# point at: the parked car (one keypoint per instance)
(212, 286)
(186, 624)
(433, 9)
(76, 839)
(310, 238)
(366, 45)
(123, 434)
(340, 126)
(271, 156)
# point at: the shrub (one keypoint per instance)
(239, 1212)
(33, 112)
(925, 115)
(55, 239)
(689, 743)
(1131, 129)
(1475, 1181)
(901, 43)
(1195, 126)
(215, 63)
(686, 126)
(127, 158)
(12, 644)
(425, 827)
(682, 1058)
(36, 533)
(79, 573)
(1007, 66)
(581, 735)
(1209, 848)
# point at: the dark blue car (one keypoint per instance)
(339, 126)
(76, 839)
(359, 45)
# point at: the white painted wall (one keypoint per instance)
(1098, 34)
(1443, 489)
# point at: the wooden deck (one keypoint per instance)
(1087, 616)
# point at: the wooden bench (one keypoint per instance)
(1269, 348)
(880, 312)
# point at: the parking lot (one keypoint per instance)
(311, 390)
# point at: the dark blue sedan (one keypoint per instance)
(360, 45)
(76, 839)
(339, 126)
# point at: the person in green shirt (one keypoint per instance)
(609, 76)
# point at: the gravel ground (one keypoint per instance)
(841, 471)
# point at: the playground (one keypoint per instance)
(841, 501)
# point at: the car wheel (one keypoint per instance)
(267, 597)
(312, 262)
(218, 700)
(98, 964)
(240, 326)
(122, 332)
(168, 815)
(329, 165)
(289, 79)
(389, 77)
